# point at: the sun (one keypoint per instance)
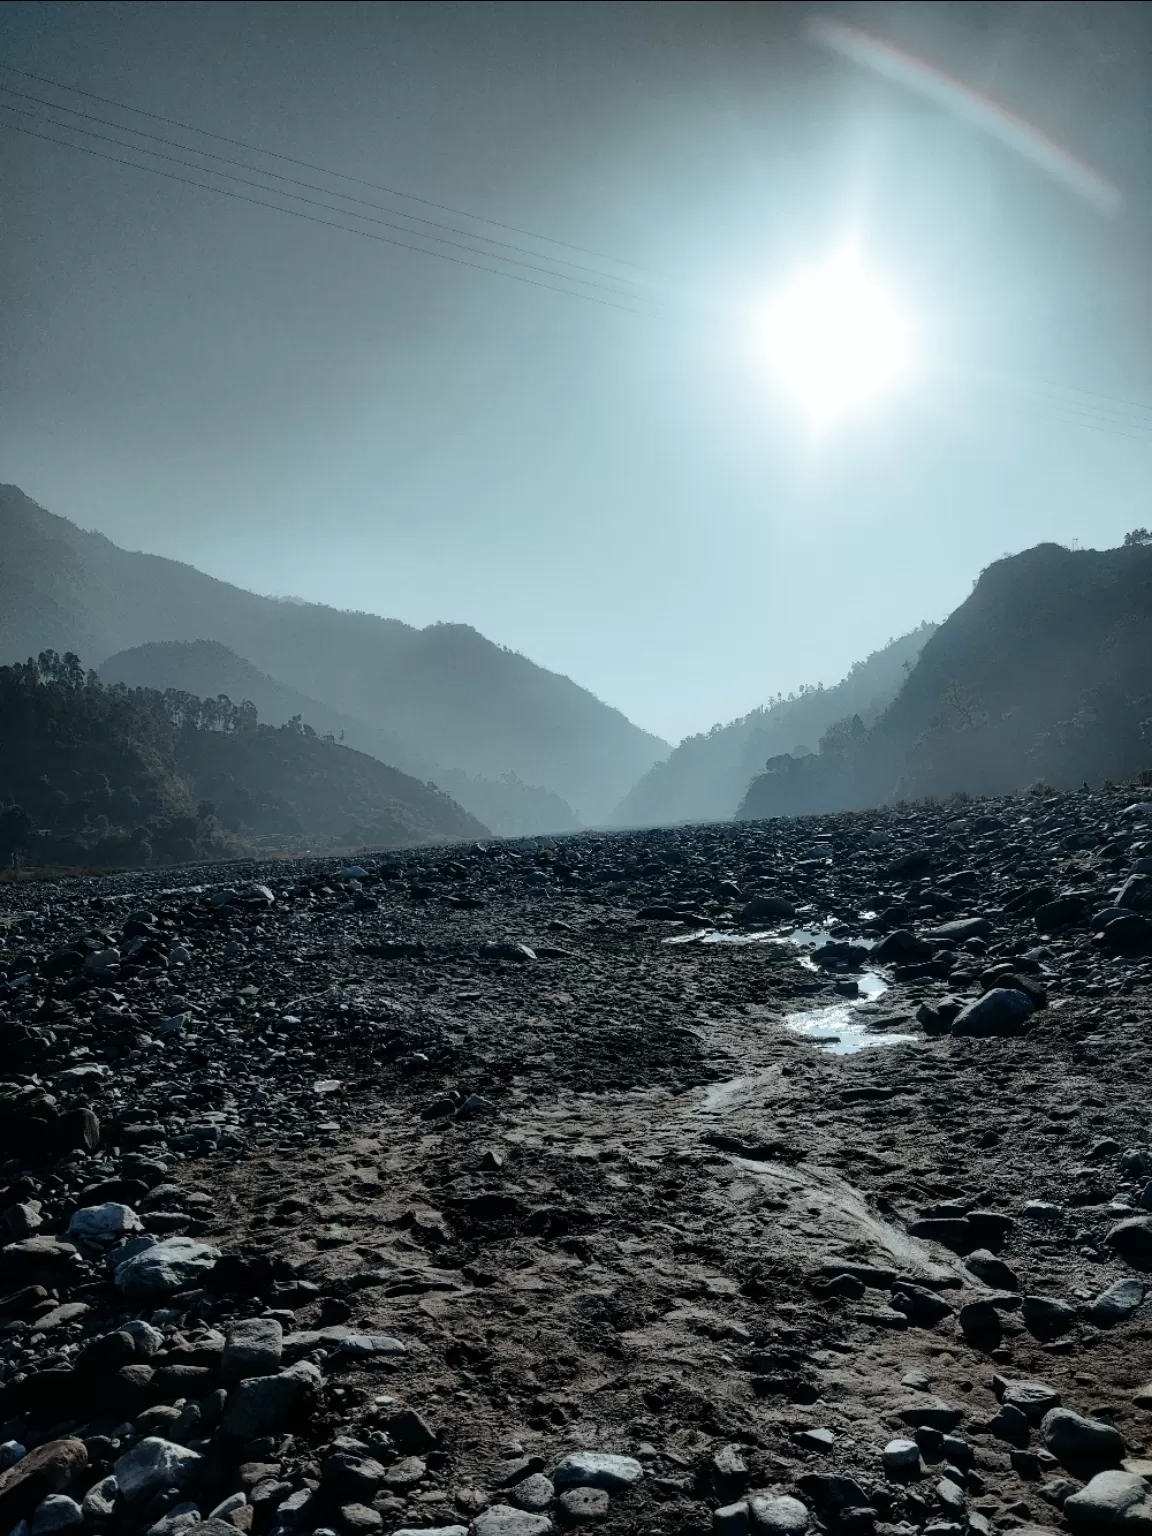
(836, 339)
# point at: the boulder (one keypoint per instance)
(930, 1413)
(1033, 1398)
(99, 1226)
(153, 1465)
(1073, 1437)
(1111, 1502)
(597, 1469)
(760, 907)
(1131, 1239)
(960, 929)
(263, 1404)
(1117, 1303)
(783, 1516)
(45, 1470)
(253, 1348)
(1002, 1011)
(176, 1264)
(503, 1520)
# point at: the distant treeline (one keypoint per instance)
(108, 776)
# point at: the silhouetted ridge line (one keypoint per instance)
(1042, 676)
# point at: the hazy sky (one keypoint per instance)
(623, 497)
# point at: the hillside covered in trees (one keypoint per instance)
(105, 776)
(706, 777)
(206, 668)
(451, 697)
(1043, 674)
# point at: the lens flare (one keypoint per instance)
(962, 101)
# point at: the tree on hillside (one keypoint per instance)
(1137, 536)
(960, 708)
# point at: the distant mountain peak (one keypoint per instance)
(449, 694)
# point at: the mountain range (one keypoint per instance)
(1042, 676)
(98, 776)
(1044, 673)
(442, 700)
(705, 778)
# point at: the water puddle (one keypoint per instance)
(802, 938)
(850, 1026)
(854, 1024)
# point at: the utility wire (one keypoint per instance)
(1136, 424)
(308, 165)
(1080, 412)
(1092, 422)
(312, 186)
(315, 203)
(297, 213)
(1115, 403)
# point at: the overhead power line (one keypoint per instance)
(347, 197)
(244, 181)
(308, 165)
(1089, 408)
(311, 218)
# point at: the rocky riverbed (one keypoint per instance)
(779, 1176)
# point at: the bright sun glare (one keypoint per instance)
(836, 339)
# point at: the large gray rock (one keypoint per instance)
(368, 1346)
(1072, 1436)
(760, 907)
(783, 1516)
(999, 1012)
(503, 1520)
(961, 928)
(100, 1500)
(102, 962)
(1033, 1398)
(1046, 1316)
(263, 1404)
(930, 1413)
(993, 1271)
(1136, 893)
(534, 1493)
(46, 1469)
(731, 1519)
(597, 1469)
(153, 1465)
(99, 1226)
(1119, 1502)
(56, 1513)
(176, 1264)
(900, 1456)
(1132, 1240)
(252, 1348)
(436, 1530)
(1117, 1303)
(583, 1506)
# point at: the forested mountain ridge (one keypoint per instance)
(455, 698)
(705, 778)
(208, 669)
(100, 776)
(1044, 673)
